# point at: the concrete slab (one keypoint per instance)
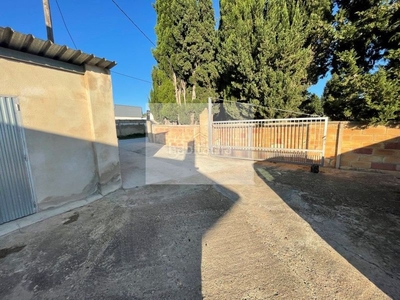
(46, 214)
(148, 163)
(270, 231)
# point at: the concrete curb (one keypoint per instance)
(46, 214)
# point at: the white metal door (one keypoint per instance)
(16, 193)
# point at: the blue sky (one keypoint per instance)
(99, 28)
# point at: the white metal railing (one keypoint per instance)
(299, 140)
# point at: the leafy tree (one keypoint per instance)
(186, 45)
(367, 27)
(268, 52)
(161, 94)
(319, 19)
(201, 45)
(342, 94)
(354, 95)
(365, 63)
(312, 105)
(263, 56)
(185, 53)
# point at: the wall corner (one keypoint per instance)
(105, 142)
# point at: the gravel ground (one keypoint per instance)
(289, 234)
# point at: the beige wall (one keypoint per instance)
(355, 146)
(69, 126)
(98, 84)
(182, 136)
(363, 147)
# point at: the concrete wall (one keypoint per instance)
(98, 85)
(68, 118)
(126, 128)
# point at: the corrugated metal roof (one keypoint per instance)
(125, 111)
(28, 43)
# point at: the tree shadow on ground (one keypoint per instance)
(356, 213)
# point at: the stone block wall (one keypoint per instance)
(191, 137)
(362, 147)
(348, 145)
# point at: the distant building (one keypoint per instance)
(129, 121)
(126, 112)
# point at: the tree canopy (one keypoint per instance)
(269, 52)
(365, 62)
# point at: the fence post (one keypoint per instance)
(210, 126)
(149, 131)
(339, 145)
(250, 141)
(326, 119)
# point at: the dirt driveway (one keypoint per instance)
(193, 227)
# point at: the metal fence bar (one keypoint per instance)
(300, 140)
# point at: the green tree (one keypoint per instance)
(319, 19)
(186, 45)
(365, 63)
(312, 105)
(162, 94)
(343, 93)
(354, 95)
(185, 54)
(263, 54)
(201, 41)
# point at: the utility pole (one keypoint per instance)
(47, 18)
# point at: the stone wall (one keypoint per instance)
(353, 146)
(348, 145)
(194, 137)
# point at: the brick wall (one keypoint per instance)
(348, 145)
(363, 147)
(182, 136)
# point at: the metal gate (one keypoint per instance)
(296, 140)
(16, 193)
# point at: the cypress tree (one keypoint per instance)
(263, 56)
(185, 52)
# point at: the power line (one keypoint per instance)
(134, 24)
(66, 27)
(65, 24)
(132, 77)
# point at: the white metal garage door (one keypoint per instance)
(16, 193)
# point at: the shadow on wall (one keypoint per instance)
(160, 138)
(42, 170)
(356, 213)
(362, 147)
